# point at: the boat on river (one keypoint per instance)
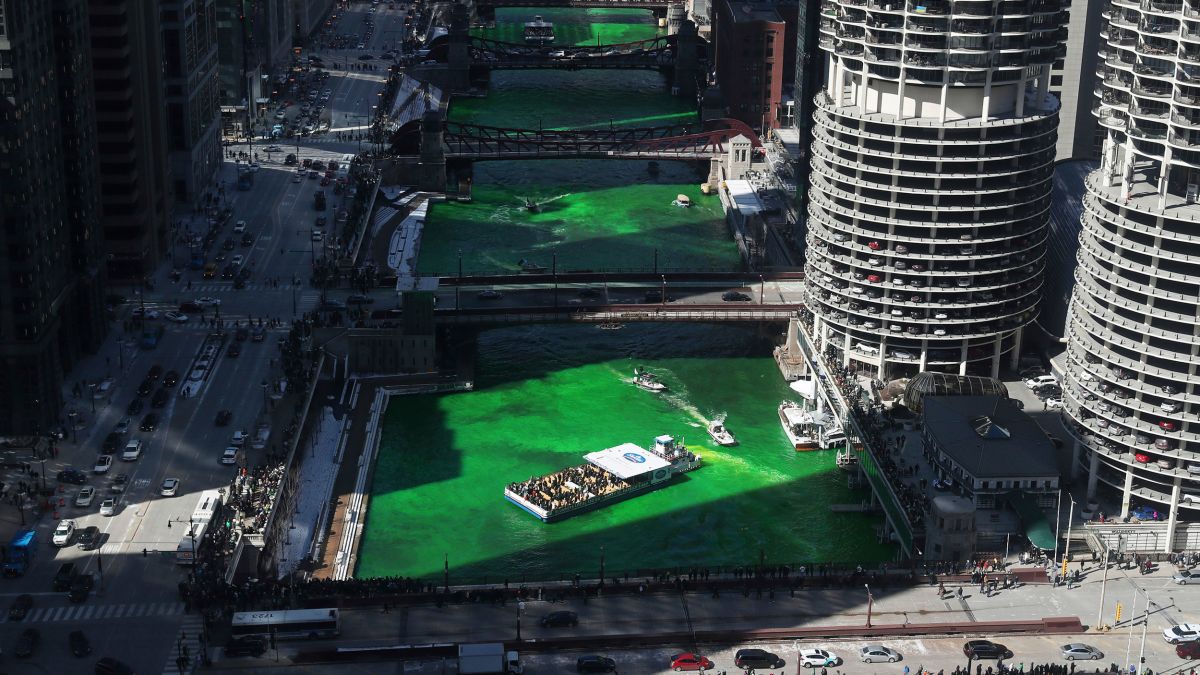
(530, 267)
(720, 434)
(648, 381)
(799, 425)
(609, 476)
(682, 201)
(539, 31)
(847, 459)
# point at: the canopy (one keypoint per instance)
(1037, 529)
(806, 388)
(627, 460)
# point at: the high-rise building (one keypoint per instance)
(755, 58)
(1133, 366)
(932, 162)
(189, 39)
(308, 16)
(1073, 81)
(52, 272)
(254, 39)
(135, 188)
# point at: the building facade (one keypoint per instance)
(254, 41)
(52, 274)
(135, 180)
(308, 16)
(189, 39)
(1133, 368)
(1073, 81)
(755, 59)
(932, 163)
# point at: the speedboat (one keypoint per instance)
(648, 381)
(530, 267)
(682, 201)
(532, 206)
(720, 434)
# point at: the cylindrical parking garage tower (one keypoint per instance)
(1133, 373)
(932, 160)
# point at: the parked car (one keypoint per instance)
(1184, 632)
(1081, 652)
(560, 619)
(690, 661)
(27, 643)
(877, 654)
(756, 658)
(1187, 577)
(817, 658)
(20, 607)
(735, 296)
(593, 663)
(985, 649)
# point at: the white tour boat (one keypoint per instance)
(798, 425)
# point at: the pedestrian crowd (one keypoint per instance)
(568, 487)
(252, 494)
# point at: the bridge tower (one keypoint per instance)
(687, 66)
(433, 154)
(458, 57)
(676, 15)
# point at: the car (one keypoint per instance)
(229, 456)
(69, 475)
(1186, 577)
(85, 496)
(241, 334)
(108, 507)
(489, 294)
(296, 178)
(878, 654)
(79, 643)
(237, 260)
(176, 317)
(593, 663)
(171, 378)
(1081, 652)
(756, 658)
(169, 487)
(1184, 632)
(123, 426)
(313, 175)
(560, 619)
(111, 442)
(27, 642)
(134, 407)
(63, 533)
(110, 666)
(20, 607)
(817, 658)
(88, 538)
(1054, 402)
(228, 244)
(149, 422)
(234, 350)
(63, 577)
(317, 236)
(160, 398)
(208, 301)
(132, 451)
(258, 333)
(240, 226)
(735, 296)
(147, 314)
(364, 57)
(1188, 650)
(690, 661)
(1145, 512)
(103, 464)
(145, 388)
(81, 588)
(248, 239)
(985, 649)
(1040, 380)
(359, 299)
(247, 645)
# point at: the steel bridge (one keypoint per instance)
(632, 4)
(471, 141)
(653, 54)
(617, 314)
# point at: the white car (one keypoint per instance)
(108, 507)
(817, 658)
(1040, 381)
(1186, 577)
(133, 450)
(1184, 632)
(169, 487)
(64, 532)
(139, 313)
(237, 260)
(229, 456)
(1053, 403)
(177, 317)
(103, 464)
(86, 494)
(317, 236)
(208, 301)
(239, 438)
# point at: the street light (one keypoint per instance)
(191, 533)
(870, 603)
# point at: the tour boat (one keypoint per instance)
(648, 381)
(530, 267)
(798, 425)
(720, 434)
(682, 201)
(539, 30)
(624, 471)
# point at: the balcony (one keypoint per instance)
(1189, 140)
(1151, 71)
(936, 8)
(1156, 50)
(1155, 113)
(1161, 6)
(1158, 27)
(1153, 91)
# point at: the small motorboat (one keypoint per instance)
(610, 326)
(532, 206)
(720, 434)
(648, 381)
(682, 201)
(530, 267)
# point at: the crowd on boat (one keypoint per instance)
(573, 485)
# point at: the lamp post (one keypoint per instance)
(72, 415)
(554, 274)
(458, 286)
(870, 603)
(663, 299)
(762, 289)
(92, 394)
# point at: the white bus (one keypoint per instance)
(290, 624)
(200, 522)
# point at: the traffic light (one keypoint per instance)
(1064, 567)
(1119, 608)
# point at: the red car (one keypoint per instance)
(1188, 650)
(1167, 425)
(1142, 458)
(690, 661)
(874, 278)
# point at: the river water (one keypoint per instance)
(547, 395)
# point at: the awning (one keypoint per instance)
(1037, 528)
(627, 460)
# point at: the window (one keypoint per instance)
(1056, 80)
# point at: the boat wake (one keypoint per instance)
(533, 205)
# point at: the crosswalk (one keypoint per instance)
(187, 645)
(98, 612)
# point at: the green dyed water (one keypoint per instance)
(547, 395)
(576, 27)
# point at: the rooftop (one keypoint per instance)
(746, 12)
(1024, 451)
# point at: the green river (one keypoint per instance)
(546, 395)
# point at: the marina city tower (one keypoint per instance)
(1133, 355)
(932, 161)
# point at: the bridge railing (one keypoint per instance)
(563, 270)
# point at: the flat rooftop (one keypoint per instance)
(1011, 444)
